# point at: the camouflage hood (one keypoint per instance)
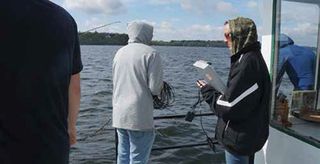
(243, 33)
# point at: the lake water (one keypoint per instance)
(96, 106)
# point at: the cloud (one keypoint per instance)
(166, 27)
(209, 7)
(204, 32)
(162, 2)
(304, 33)
(163, 30)
(198, 6)
(289, 15)
(169, 30)
(303, 28)
(92, 23)
(224, 6)
(252, 4)
(143, 20)
(166, 30)
(201, 28)
(109, 7)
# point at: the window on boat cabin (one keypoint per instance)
(297, 84)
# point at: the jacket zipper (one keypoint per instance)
(225, 129)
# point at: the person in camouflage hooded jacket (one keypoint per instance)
(242, 111)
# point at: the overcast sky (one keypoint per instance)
(186, 19)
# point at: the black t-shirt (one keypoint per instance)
(39, 52)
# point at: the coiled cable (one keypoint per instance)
(166, 97)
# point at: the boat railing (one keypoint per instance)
(164, 117)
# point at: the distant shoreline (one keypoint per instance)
(95, 38)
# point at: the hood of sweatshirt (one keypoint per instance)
(140, 32)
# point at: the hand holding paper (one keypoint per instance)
(210, 76)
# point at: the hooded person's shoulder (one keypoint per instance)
(252, 59)
(255, 55)
(137, 49)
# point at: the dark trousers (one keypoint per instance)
(251, 159)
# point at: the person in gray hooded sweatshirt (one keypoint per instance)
(137, 76)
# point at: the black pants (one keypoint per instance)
(251, 159)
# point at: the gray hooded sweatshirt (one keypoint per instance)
(137, 75)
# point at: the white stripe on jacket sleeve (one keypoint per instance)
(238, 99)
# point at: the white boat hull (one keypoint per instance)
(282, 148)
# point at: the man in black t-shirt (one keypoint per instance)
(39, 82)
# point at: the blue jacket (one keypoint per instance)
(298, 62)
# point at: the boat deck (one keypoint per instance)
(306, 128)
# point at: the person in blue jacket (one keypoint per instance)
(298, 62)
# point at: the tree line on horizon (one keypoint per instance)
(96, 38)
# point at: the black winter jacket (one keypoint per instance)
(243, 110)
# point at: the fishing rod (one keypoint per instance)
(109, 120)
(95, 28)
(96, 132)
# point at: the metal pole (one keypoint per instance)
(181, 116)
(182, 146)
(171, 117)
